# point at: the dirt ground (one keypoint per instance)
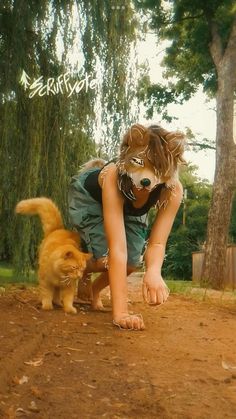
(54, 365)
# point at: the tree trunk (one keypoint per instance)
(214, 266)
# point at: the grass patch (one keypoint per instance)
(6, 274)
(9, 277)
(195, 292)
(179, 287)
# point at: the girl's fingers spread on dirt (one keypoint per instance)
(167, 293)
(132, 322)
(152, 297)
(129, 323)
(137, 323)
(163, 297)
(160, 299)
(144, 291)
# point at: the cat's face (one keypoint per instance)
(71, 265)
(72, 269)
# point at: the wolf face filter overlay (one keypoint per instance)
(149, 157)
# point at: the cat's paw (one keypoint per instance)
(47, 305)
(70, 310)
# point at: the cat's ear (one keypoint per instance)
(68, 255)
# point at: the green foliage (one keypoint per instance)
(200, 143)
(44, 140)
(178, 255)
(8, 277)
(185, 239)
(110, 31)
(33, 132)
(187, 25)
(200, 52)
(189, 237)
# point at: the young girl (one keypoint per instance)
(109, 205)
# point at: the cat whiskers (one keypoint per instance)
(65, 280)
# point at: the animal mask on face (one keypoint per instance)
(148, 157)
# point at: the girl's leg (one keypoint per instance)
(101, 282)
(91, 292)
(86, 291)
(96, 265)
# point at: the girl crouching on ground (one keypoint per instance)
(108, 206)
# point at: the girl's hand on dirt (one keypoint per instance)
(129, 321)
(155, 290)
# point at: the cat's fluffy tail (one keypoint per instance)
(45, 209)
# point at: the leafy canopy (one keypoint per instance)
(187, 25)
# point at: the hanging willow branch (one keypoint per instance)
(43, 140)
(109, 42)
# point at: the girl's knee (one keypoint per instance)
(131, 269)
(101, 265)
(97, 265)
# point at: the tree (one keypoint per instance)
(44, 139)
(34, 131)
(109, 39)
(232, 230)
(202, 51)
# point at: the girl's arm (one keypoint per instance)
(115, 233)
(155, 290)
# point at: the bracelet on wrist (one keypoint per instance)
(156, 244)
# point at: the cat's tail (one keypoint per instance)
(47, 211)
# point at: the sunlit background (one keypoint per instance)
(198, 113)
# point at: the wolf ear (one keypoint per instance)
(136, 136)
(176, 144)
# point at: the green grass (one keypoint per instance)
(195, 292)
(9, 277)
(179, 287)
(6, 273)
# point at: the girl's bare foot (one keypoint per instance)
(129, 321)
(97, 303)
(98, 285)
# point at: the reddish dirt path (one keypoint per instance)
(89, 369)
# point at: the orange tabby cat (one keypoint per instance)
(61, 262)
